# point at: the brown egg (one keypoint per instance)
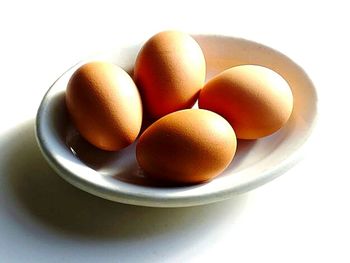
(169, 72)
(186, 147)
(104, 105)
(255, 100)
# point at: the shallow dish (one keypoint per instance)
(116, 176)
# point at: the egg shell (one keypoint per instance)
(255, 100)
(104, 105)
(186, 147)
(169, 72)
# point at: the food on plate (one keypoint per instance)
(186, 147)
(255, 100)
(104, 105)
(169, 70)
(181, 145)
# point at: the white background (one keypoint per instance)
(303, 216)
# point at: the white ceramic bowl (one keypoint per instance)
(117, 177)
